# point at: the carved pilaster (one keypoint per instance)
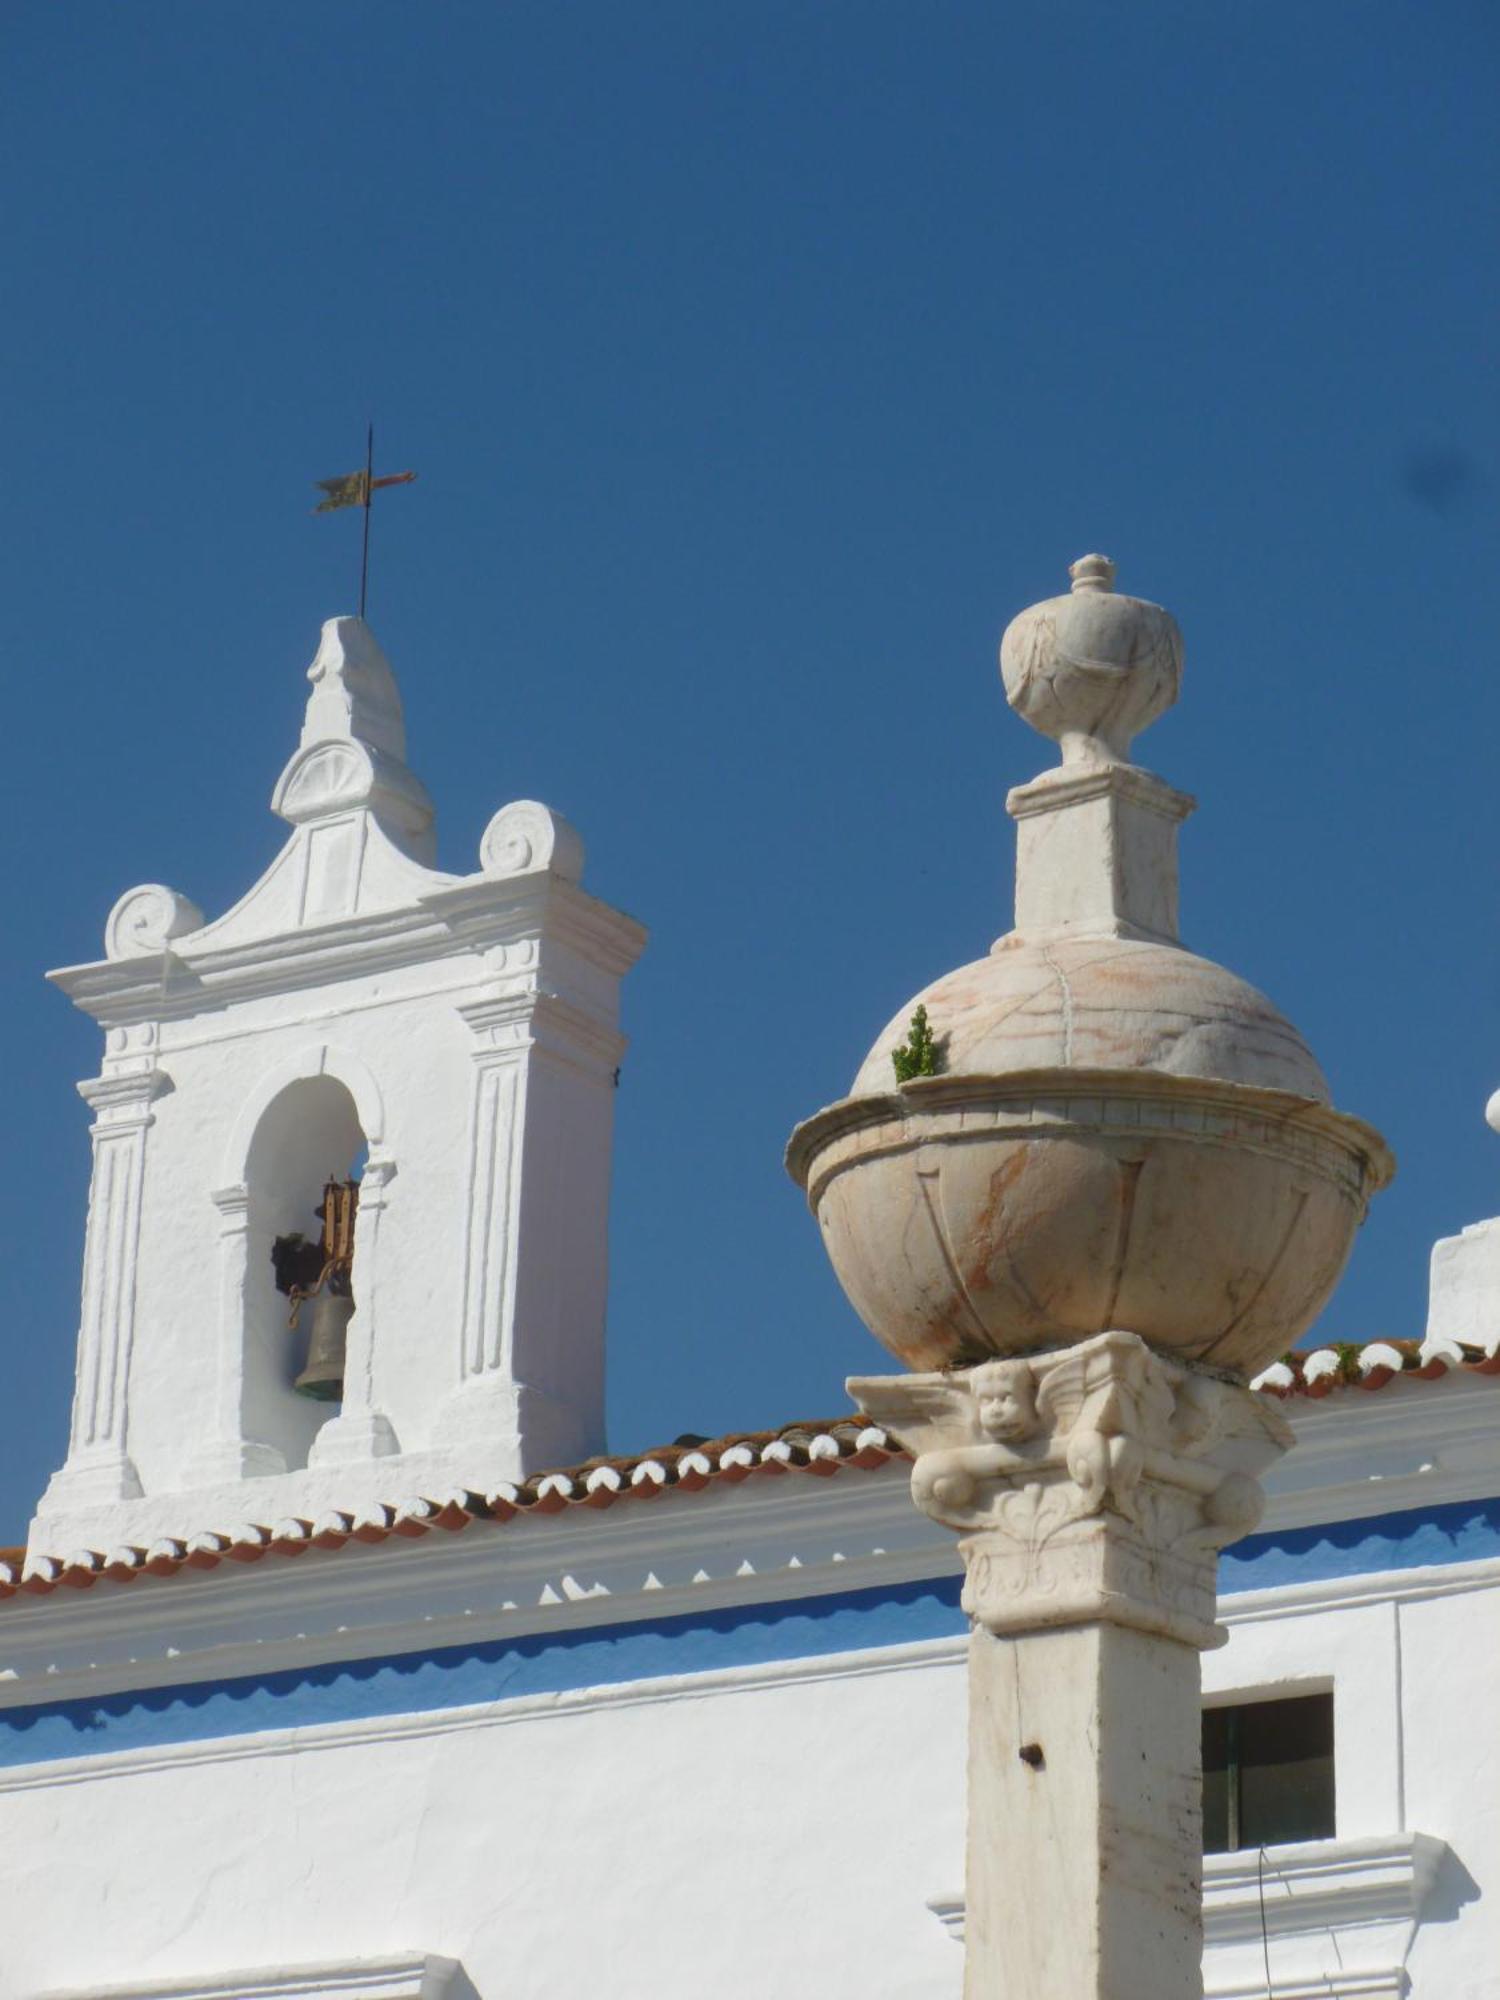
(500, 1027)
(529, 1385)
(1091, 1490)
(98, 1464)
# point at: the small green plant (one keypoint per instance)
(918, 1054)
(1348, 1356)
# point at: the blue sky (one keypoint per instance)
(759, 362)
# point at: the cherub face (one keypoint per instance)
(1006, 1396)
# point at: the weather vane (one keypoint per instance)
(358, 489)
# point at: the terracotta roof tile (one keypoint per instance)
(687, 1467)
(690, 1465)
(1371, 1364)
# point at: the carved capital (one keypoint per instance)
(1098, 1482)
(121, 1099)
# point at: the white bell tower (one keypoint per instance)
(453, 1042)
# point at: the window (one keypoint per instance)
(1268, 1773)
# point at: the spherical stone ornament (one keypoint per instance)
(1092, 669)
(1101, 1003)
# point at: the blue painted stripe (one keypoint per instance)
(421, 1683)
(796, 1629)
(1465, 1531)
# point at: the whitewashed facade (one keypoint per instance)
(365, 1700)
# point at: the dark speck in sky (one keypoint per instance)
(1442, 477)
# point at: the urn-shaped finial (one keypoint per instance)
(1092, 669)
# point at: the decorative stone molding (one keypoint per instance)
(512, 1025)
(1339, 1917)
(1134, 1106)
(121, 1099)
(517, 1016)
(145, 920)
(316, 1059)
(1094, 1484)
(527, 835)
(352, 753)
(331, 778)
(354, 691)
(497, 1130)
(402, 1976)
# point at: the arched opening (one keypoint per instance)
(309, 1134)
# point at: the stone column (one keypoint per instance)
(228, 1453)
(1092, 1489)
(362, 1430)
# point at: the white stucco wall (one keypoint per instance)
(682, 1837)
(674, 1844)
(749, 1828)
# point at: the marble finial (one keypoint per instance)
(1092, 669)
(1092, 573)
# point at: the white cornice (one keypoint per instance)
(1376, 1451)
(760, 1541)
(641, 1559)
(467, 916)
(170, 987)
(402, 1976)
(475, 911)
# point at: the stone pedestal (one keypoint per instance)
(1096, 853)
(1092, 1489)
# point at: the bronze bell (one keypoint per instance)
(323, 1377)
